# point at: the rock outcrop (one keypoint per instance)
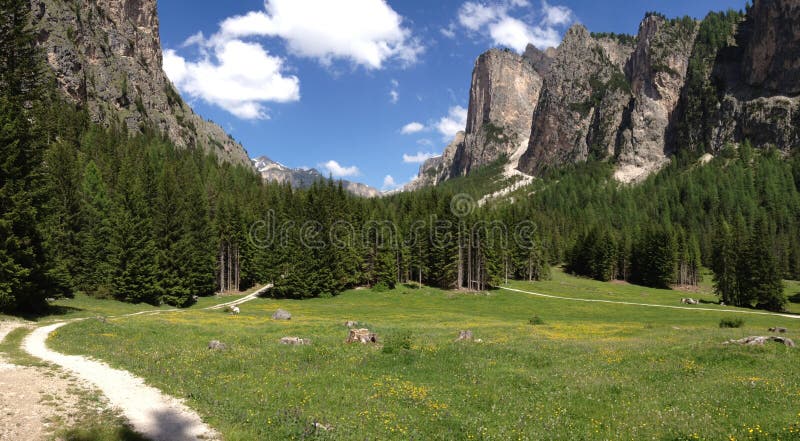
(635, 101)
(106, 56)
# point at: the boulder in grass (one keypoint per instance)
(281, 315)
(295, 341)
(690, 301)
(217, 345)
(778, 330)
(351, 324)
(362, 336)
(760, 340)
(464, 335)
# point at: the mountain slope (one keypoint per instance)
(106, 55)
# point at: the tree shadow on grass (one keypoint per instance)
(123, 433)
(48, 311)
(795, 298)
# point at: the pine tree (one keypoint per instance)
(26, 276)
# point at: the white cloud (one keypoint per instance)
(425, 142)
(338, 171)
(237, 76)
(454, 122)
(474, 16)
(418, 158)
(411, 128)
(394, 94)
(390, 184)
(516, 35)
(556, 15)
(365, 32)
(501, 22)
(449, 31)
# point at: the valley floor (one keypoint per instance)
(584, 370)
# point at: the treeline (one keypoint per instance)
(660, 232)
(95, 210)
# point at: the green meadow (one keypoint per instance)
(583, 371)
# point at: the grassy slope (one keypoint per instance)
(591, 371)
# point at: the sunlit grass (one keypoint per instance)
(588, 371)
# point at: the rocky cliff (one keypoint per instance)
(106, 55)
(636, 100)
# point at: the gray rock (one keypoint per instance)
(350, 324)
(295, 341)
(778, 330)
(464, 335)
(363, 336)
(281, 315)
(272, 171)
(760, 340)
(217, 345)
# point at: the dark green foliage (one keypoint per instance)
(535, 320)
(654, 258)
(730, 322)
(27, 275)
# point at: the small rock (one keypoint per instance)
(281, 315)
(50, 299)
(295, 341)
(760, 340)
(217, 345)
(235, 310)
(778, 330)
(362, 336)
(690, 301)
(464, 336)
(478, 340)
(351, 324)
(323, 427)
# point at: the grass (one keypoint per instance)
(590, 371)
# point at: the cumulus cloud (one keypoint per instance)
(503, 22)
(418, 158)
(412, 127)
(366, 32)
(390, 184)
(235, 75)
(454, 122)
(336, 170)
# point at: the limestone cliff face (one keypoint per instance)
(760, 78)
(657, 71)
(106, 55)
(503, 95)
(505, 90)
(635, 101)
(581, 106)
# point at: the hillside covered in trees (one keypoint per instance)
(93, 209)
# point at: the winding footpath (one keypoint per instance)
(619, 302)
(150, 412)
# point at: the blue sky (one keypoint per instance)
(333, 84)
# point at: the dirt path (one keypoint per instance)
(152, 413)
(36, 400)
(618, 302)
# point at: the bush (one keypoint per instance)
(731, 323)
(381, 287)
(535, 320)
(398, 342)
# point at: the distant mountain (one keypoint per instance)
(272, 171)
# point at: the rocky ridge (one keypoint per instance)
(629, 99)
(106, 56)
